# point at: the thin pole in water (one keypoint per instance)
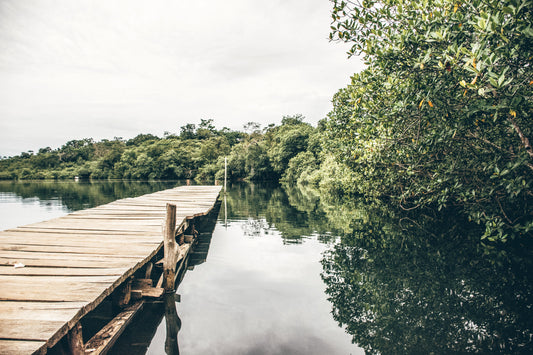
(225, 172)
(225, 213)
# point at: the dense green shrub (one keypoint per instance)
(443, 113)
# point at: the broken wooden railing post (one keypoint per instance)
(171, 249)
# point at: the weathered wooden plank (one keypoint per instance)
(131, 251)
(20, 347)
(79, 224)
(97, 245)
(76, 239)
(76, 233)
(65, 263)
(29, 330)
(59, 271)
(83, 293)
(53, 288)
(21, 255)
(73, 223)
(47, 279)
(70, 229)
(150, 292)
(42, 311)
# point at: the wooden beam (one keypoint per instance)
(102, 341)
(152, 292)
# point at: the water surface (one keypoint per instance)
(289, 273)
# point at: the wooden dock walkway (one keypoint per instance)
(55, 272)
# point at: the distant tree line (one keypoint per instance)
(197, 152)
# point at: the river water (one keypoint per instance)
(289, 273)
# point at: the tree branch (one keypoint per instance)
(523, 138)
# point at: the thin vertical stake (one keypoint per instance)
(225, 213)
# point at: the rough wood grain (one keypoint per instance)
(21, 346)
(40, 311)
(171, 248)
(105, 338)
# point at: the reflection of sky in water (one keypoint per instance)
(17, 211)
(256, 296)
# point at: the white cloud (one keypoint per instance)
(74, 69)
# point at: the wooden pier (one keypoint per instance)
(53, 273)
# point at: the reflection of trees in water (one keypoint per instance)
(83, 194)
(292, 212)
(404, 287)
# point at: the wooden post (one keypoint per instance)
(122, 296)
(75, 340)
(171, 249)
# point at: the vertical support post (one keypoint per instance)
(171, 249)
(122, 297)
(75, 341)
(148, 272)
(225, 173)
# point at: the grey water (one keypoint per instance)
(287, 272)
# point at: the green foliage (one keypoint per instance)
(286, 141)
(303, 163)
(141, 138)
(197, 153)
(188, 131)
(248, 160)
(442, 114)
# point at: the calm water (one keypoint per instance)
(28, 202)
(287, 273)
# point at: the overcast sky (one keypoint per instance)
(106, 68)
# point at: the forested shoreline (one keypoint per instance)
(197, 152)
(441, 118)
